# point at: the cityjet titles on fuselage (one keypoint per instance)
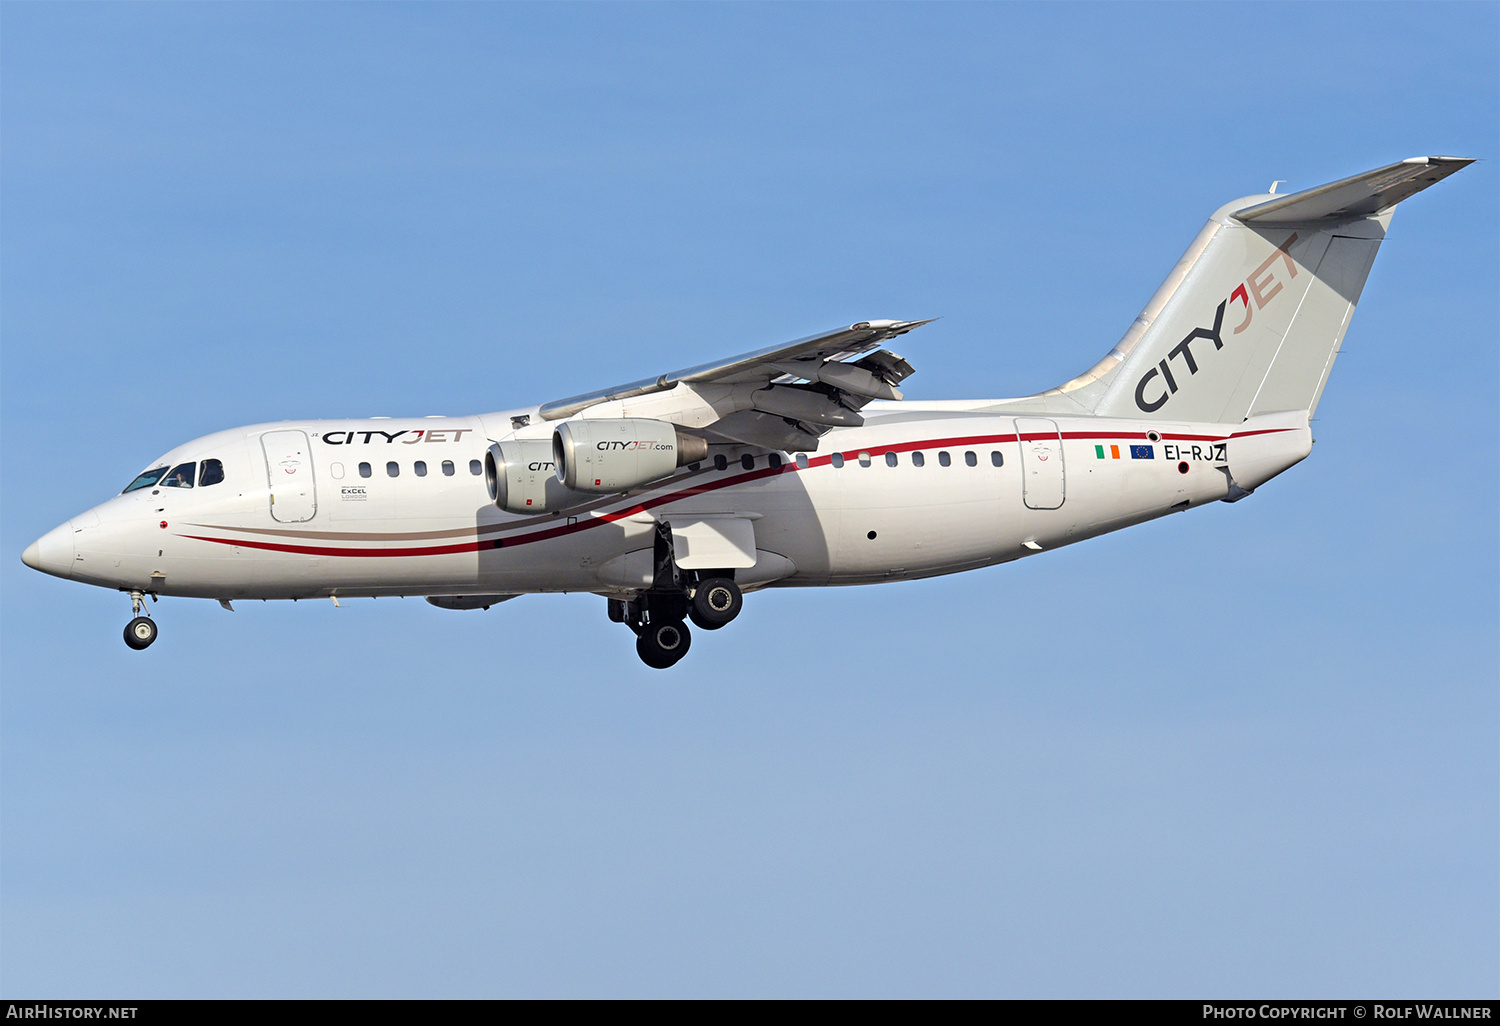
(389, 437)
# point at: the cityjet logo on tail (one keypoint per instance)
(1262, 286)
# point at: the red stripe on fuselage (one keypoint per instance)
(645, 505)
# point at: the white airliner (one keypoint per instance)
(791, 466)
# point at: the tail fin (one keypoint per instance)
(1252, 316)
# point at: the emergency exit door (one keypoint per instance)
(294, 496)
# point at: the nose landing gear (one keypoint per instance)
(141, 631)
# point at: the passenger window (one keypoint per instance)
(944, 460)
(917, 459)
(419, 468)
(146, 480)
(775, 460)
(364, 470)
(393, 469)
(475, 468)
(971, 459)
(181, 476)
(747, 461)
(721, 462)
(997, 459)
(890, 459)
(212, 473)
(336, 469)
(447, 468)
(837, 459)
(864, 459)
(802, 461)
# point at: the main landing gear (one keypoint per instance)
(716, 601)
(141, 631)
(709, 598)
(660, 645)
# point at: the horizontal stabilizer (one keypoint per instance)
(1358, 196)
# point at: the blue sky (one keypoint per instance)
(1251, 750)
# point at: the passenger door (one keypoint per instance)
(289, 469)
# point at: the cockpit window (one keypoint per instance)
(181, 476)
(211, 473)
(146, 480)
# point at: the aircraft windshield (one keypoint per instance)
(181, 477)
(146, 480)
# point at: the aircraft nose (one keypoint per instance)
(52, 553)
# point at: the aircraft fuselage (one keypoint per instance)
(402, 507)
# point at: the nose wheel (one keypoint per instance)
(141, 631)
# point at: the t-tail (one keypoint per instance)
(1250, 320)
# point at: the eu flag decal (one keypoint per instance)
(1142, 452)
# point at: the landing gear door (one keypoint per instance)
(712, 542)
(1042, 484)
(289, 469)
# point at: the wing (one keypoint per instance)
(781, 397)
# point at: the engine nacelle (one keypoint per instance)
(522, 478)
(617, 455)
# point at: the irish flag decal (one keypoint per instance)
(1107, 452)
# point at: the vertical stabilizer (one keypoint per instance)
(1251, 318)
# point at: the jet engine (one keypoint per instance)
(521, 477)
(617, 455)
